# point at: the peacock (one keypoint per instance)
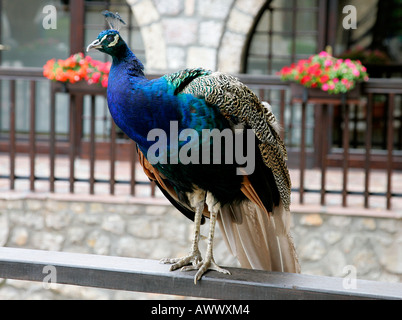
(192, 128)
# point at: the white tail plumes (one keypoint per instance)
(258, 240)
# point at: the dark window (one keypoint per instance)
(284, 32)
(26, 41)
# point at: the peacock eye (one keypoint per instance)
(110, 38)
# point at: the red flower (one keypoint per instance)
(105, 81)
(324, 78)
(317, 73)
(95, 77)
(77, 68)
(305, 79)
(325, 72)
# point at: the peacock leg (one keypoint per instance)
(194, 257)
(208, 263)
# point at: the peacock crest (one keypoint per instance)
(114, 20)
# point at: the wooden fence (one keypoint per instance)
(269, 88)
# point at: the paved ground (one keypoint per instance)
(312, 200)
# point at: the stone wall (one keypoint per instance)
(194, 33)
(326, 243)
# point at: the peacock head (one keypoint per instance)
(110, 41)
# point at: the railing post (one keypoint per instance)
(369, 134)
(112, 157)
(52, 141)
(92, 148)
(390, 147)
(303, 144)
(73, 113)
(133, 156)
(32, 132)
(324, 150)
(345, 108)
(12, 135)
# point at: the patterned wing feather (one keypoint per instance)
(239, 104)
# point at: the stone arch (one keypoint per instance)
(234, 38)
(149, 21)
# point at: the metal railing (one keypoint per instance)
(292, 117)
(131, 274)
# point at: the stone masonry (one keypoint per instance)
(193, 33)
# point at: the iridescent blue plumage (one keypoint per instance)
(139, 105)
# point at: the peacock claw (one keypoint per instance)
(193, 258)
(194, 262)
(203, 267)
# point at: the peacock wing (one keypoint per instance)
(241, 106)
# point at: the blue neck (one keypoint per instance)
(126, 57)
(124, 96)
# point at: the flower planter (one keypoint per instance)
(78, 69)
(81, 87)
(301, 93)
(330, 77)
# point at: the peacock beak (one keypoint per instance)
(94, 45)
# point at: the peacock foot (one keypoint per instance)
(203, 267)
(194, 258)
(194, 262)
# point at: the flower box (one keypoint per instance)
(78, 88)
(324, 76)
(78, 69)
(302, 93)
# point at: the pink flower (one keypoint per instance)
(324, 71)
(104, 81)
(95, 77)
(104, 67)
